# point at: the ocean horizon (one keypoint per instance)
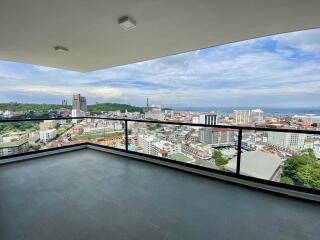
(272, 111)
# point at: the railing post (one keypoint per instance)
(239, 151)
(104, 133)
(126, 134)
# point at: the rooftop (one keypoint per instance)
(13, 143)
(89, 194)
(256, 164)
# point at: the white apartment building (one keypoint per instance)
(77, 113)
(248, 116)
(146, 143)
(8, 114)
(242, 116)
(210, 119)
(257, 115)
(155, 115)
(217, 137)
(163, 148)
(117, 126)
(196, 119)
(287, 141)
(48, 134)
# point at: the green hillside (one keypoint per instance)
(105, 107)
(16, 107)
(96, 108)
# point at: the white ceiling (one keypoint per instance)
(29, 29)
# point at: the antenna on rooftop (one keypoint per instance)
(148, 104)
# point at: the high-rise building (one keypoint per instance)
(217, 137)
(210, 119)
(79, 102)
(248, 116)
(257, 115)
(76, 101)
(83, 104)
(242, 116)
(64, 102)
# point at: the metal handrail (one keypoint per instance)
(171, 123)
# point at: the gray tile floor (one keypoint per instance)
(89, 194)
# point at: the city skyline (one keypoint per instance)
(274, 71)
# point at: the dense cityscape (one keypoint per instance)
(291, 158)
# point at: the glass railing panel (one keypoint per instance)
(100, 131)
(285, 157)
(207, 147)
(29, 136)
(56, 133)
(19, 137)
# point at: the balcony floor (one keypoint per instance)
(89, 194)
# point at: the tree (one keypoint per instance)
(154, 127)
(217, 153)
(309, 175)
(292, 165)
(287, 180)
(310, 153)
(219, 159)
(302, 170)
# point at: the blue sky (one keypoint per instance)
(275, 71)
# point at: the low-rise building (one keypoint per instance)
(307, 118)
(48, 134)
(196, 153)
(48, 124)
(159, 116)
(77, 129)
(77, 113)
(257, 164)
(14, 147)
(111, 141)
(286, 140)
(164, 148)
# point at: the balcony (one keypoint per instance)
(97, 188)
(90, 194)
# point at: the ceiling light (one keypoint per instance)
(126, 23)
(61, 49)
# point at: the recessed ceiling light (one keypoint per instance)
(61, 49)
(126, 23)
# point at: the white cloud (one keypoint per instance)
(8, 74)
(94, 92)
(307, 41)
(240, 73)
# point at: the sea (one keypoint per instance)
(277, 112)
